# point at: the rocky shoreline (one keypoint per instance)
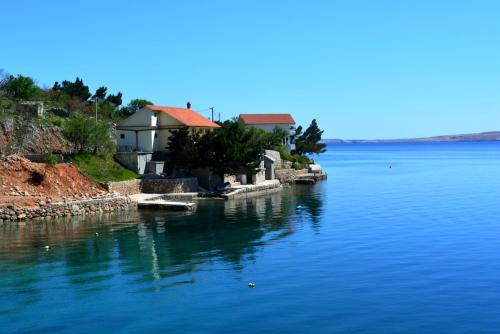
(107, 204)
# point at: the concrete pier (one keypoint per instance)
(157, 201)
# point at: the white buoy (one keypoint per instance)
(47, 247)
(251, 285)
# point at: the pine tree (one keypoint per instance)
(101, 92)
(310, 140)
(115, 99)
(73, 89)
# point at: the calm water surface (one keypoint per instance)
(410, 249)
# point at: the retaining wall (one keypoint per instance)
(154, 186)
(69, 208)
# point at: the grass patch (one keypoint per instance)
(102, 167)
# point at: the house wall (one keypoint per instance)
(146, 140)
(127, 143)
(144, 117)
(161, 141)
(270, 127)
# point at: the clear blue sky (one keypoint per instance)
(364, 69)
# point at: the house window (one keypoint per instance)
(122, 136)
(156, 135)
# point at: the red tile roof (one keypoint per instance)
(185, 116)
(258, 119)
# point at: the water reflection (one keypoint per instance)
(88, 255)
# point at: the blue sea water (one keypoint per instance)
(402, 238)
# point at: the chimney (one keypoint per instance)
(188, 105)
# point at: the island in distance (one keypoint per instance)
(473, 137)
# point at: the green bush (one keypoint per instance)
(298, 161)
(88, 135)
(50, 159)
(57, 121)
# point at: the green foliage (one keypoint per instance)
(298, 161)
(102, 167)
(73, 89)
(233, 149)
(108, 111)
(276, 138)
(134, 106)
(50, 159)
(88, 135)
(19, 87)
(184, 151)
(310, 140)
(101, 92)
(115, 99)
(56, 120)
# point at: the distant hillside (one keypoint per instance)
(483, 136)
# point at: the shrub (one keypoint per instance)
(88, 135)
(50, 159)
(57, 121)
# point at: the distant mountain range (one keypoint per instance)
(483, 136)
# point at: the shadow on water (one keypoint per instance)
(88, 254)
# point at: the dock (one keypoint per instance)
(158, 202)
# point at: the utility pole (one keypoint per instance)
(96, 109)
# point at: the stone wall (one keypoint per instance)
(69, 208)
(154, 186)
(289, 175)
(125, 187)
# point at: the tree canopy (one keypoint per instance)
(115, 99)
(19, 87)
(135, 105)
(101, 92)
(184, 151)
(235, 148)
(87, 134)
(73, 89)
(232, 149)
(310, 140)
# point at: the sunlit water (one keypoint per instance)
(400, 239)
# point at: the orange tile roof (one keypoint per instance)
(186, 116)
(258, 119)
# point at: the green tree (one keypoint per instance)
(310, 140)
(88, 135)
(233, 149)
(276, 138)
(115, 99)
(74, 89)
(20, 87)
(101, 92)
(134, 106)
(184, 150)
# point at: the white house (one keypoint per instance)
(268, 122)
(148, 130)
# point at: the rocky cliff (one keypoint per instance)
(31, 137)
